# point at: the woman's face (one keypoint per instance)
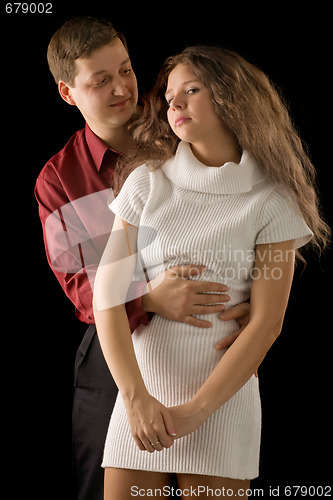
(191, 112)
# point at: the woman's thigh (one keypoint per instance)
(125, 484)
(212, 486)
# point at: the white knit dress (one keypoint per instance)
(190, 213)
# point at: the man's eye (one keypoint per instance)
(100, 82)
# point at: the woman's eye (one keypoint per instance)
(192, 91)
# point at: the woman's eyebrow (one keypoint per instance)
(184, 83)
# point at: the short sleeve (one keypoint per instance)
(282, 221)
(133, 196)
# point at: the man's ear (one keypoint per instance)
(65, 92)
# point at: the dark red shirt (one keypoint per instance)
(72, 191)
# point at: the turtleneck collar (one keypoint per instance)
(187, 172)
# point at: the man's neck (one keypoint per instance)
(118, 139)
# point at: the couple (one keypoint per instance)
(213, 161)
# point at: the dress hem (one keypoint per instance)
(169, 470)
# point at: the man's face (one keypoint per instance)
(105, 89)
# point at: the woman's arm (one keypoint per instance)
(149, 420)
(274, 268)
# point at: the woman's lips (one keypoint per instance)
(181, 120)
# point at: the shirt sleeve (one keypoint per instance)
(282, 221)
(74, 265)
(67, 268)
(133, 196)
(135, 313)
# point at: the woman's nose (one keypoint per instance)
(178, 103)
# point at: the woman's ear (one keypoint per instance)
(65, 92)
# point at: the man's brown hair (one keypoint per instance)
(77, 38)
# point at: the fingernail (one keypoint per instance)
(173, 433)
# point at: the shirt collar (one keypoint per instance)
(97, 147)
(186, 171)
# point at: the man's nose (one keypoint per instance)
(119, 87)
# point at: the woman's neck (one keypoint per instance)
(216, 151)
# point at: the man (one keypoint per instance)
(91, 66)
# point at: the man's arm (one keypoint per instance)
(73, 255)
(178, 298)
(73, 250)
(64, 258)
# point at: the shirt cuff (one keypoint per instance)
(136, 314)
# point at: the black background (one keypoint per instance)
(292, 47)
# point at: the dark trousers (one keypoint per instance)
(94, 398)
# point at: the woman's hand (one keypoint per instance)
(186, 418)
(150, 422)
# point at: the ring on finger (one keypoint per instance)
(154, 444)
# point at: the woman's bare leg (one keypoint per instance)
(124, 484)
(206, 485)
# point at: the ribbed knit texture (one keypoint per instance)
(190, 213)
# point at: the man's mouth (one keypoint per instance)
(119, 104)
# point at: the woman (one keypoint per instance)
(224, 177)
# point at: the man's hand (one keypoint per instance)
(178, 298)
(241, 313)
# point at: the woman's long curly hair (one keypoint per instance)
(253, 110)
